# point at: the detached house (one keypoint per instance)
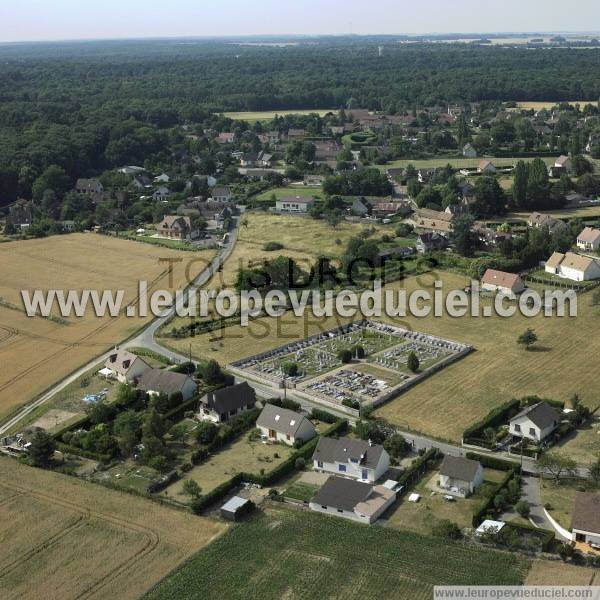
(125, 366)
(541, 220)
(430, 241)
(361, 207)
(161, 193)
(352, 458)
(221, 193)
(176, 227)
(352, 500)
(486, 166)
(283, 425)
(564, 162)
(89, 186)
(460, 476)
(256, 159)
(223, 404)
(573, 266)
(585, 521)
(500, 281)
(158, 381)
(295, 204)
(468, 151)
(535, 422)
(589, 239)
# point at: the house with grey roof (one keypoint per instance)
(156, 382)
(352, 500)
(460, 476)
(226, 403)
(351, 458)
(282, 425)
(535, 422)
(585, 520)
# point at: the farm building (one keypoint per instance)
(125, 366)
(500, 281)
(351, 458)
(361, 207)
(535, 422)
(283, 425)
(573, 266)
(589, 239)
(460, 476)
(158, 381)
(294, 204)
(353, 500)
(585, 522)
(223, 404)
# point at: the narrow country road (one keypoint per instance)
(144, 339)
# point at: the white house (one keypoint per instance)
(158, 381)
(585, 521)
(221, 193)
(352, 500)
(295, 204)
(573, 266)
(460, 476)
(283, 425)
(535, 422)
(500, 281)
(125, 366)
(162, 178)
(589, 239)
(352, 458)
(468, 151)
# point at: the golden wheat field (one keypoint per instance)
(64, 538)
(37, 352)
(545, 572)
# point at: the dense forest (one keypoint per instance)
(91, 106)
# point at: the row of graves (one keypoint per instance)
(349, 385)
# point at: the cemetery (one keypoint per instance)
(363, 363)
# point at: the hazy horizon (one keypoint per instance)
(68, 20)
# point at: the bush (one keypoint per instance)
(272, 246)
(345, 356)
(300, 464)
(322, 415)
(447, 529)
(499, 416)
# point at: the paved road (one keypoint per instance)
(144, 339)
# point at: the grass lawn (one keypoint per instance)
(423, 515)
(240, 456)
(566, 213)
(290, 554)
(282, 192)
(459, 162)
(561, 498)
(552, 572)
(268, 115)
(301, 491)
(584, 446)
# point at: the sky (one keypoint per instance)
(29, 20)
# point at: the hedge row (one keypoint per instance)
(417, 468)
(488, 504)
(323, 415)
(67, 449)
(499, 416)
(284, 468)
(491, 462)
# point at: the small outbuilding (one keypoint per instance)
(235, 508)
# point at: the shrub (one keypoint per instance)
(272, 246)
(345, 356)
(300, 464)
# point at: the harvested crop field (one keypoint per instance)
(290, 554)
(36, 352)
(63, 538)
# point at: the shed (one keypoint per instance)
(235, 507)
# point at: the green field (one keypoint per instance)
(459, 162)
(289, 554)
(283, 192)
(268, 115)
